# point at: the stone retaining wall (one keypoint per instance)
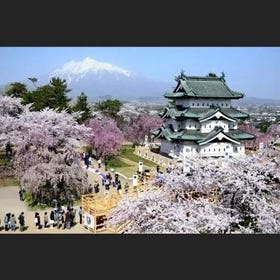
(154, 157)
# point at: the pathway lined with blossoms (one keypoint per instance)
(10, 203)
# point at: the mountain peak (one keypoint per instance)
(78, 69)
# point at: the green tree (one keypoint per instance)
(52, 95)
(60, 90)
(40, 98)
(109, 108)
(263, 126)
(17, 90)
(83, 107)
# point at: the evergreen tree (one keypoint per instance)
(83, 107)
(109, 108)
(59, 86)
(17, 89)
(52, 95)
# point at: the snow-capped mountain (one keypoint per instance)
(98, 79)
(76, 70)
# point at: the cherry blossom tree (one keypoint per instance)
(216, 196)
(274, 131)
(261, 137)
(46, 159)
(105, 137)
(55, 180)
(141, 126)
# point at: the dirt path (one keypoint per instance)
(10, 203)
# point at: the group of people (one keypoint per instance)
(88, 160)
(107, 182)
(10, 222)
(59, 218)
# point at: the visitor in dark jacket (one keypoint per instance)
(21, 221)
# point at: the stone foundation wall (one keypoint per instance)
(154, 157)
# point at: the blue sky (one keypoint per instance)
(252, 70)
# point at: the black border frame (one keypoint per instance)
(58, 23)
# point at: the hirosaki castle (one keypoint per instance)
(201, 120)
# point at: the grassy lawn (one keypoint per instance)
(127, 162)
(4, 161)
(120, 166)
(128, 152)
(9, 182)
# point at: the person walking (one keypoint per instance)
(68, 220)
(126, 187)
(13, 222)
(72, 217)
(87, 161)
(107, 187)
(37, 221)
(158, 169)
(52, 219)
(96, 186)
(99, 163)
(20, 194)
(81, 214)
(46, 220)
(7, 221)
(23, 193)
(21, 221)
(119, 187)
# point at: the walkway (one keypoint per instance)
(10, 203)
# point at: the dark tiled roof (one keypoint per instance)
(200, 113)
(241, 135)
(203, 87)
(197, 136)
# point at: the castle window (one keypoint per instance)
(209, 126)
(236, 148)
(204, 150)
(207, 104)
(226, 105)
(203, 104)
(222, 105)
(195, 126)
(197, 150)
(193, 104)
(190, 126)
(209, 150)
(224, 149)
(214, 150)
(197, 104)
(219, 149)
